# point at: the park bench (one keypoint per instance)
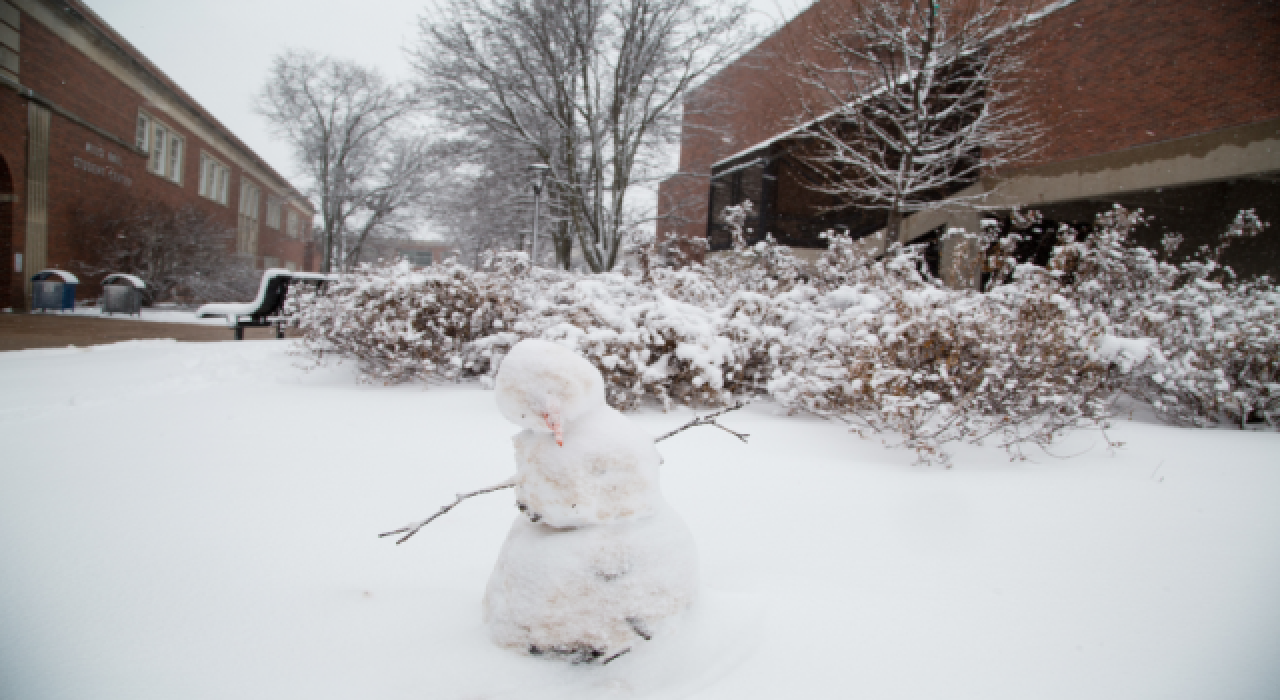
(266, 309)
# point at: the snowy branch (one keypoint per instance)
(709, 419)
(412, 528)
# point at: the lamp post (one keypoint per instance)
(539, 171)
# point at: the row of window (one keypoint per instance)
(167, 148)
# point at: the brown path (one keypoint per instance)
(22, 331)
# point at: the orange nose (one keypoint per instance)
(553, 424)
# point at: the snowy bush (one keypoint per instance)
(449, 322)
(890, 350)
(874, 341)
(645, 343)
(401, 324)
(1199, 345)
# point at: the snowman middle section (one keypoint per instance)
(606, 472)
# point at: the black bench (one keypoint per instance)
(265, 310)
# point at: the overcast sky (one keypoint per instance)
(219, 52)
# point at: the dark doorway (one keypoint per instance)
(7, 261)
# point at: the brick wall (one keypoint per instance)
(1104, 75)
(88, 170)
(1108, 75)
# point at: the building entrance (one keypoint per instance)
(8, 263)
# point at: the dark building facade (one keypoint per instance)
(86, 122)
(1168, 105)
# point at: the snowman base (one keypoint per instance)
(583, 655)
(589, 594)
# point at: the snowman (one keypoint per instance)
(597, 561)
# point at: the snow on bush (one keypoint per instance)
(1198, 344)
(401, 324)
(890, 350)
(449, 322)
(872, 341)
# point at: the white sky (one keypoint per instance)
(219, 52)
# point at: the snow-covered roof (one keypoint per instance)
(740, 166)
(131, 279)
(63, 274)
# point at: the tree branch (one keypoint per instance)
(412, 528)
(709, 419)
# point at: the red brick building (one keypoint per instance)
(1168, 105)
(86, 120)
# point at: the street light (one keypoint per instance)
(539, 171)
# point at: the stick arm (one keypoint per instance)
(412, 528)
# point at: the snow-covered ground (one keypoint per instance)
(157, 315)
(198, 521)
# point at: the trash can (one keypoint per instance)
(53, 290)
(122, 294)
(46, 295)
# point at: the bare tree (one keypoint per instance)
(588, 87)
(181, 253)
(349, 129)
(484, 203)
(924, 101)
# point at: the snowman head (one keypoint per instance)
(542, 386)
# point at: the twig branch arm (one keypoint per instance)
(412, 528)
(709, 419)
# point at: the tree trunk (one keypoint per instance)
(564, 245)
(893, 229)
(326, 260)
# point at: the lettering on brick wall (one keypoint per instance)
(106, 171)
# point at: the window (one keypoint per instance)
(418, 258)
(214, 179)
(291, 266)
(294, 228)
(158, 141)
(247, 240)
(174, 171)
(143, 136)
(270, 262)
(165, 146)
(273, 212)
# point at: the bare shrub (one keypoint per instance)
(182, 253)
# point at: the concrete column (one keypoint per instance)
(961, 260)
(36, 253)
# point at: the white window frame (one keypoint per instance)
(166, 148)
(274, 205)
(247, 207)
(142, 134)
(293, 226)
(177, 153)
(215, 179)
